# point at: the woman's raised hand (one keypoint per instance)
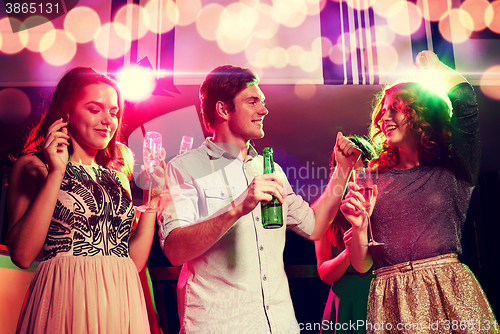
(429, 60)
(353, 206)
(55, 146)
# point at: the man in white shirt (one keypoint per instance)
(233, 278)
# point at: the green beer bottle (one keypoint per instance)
(272, 216)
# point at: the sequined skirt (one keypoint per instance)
(434, 295)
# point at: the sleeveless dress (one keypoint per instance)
(346, 307)
(87, 283)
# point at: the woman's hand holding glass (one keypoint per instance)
(358, 205)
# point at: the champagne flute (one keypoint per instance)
(152, 155)
(186, 144)
(363, 177)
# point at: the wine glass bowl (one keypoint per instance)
(364, 177)
(152, 152)
(186, 144)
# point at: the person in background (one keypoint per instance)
(428, 166)
(233, 278)
(347, 300)
(64, 200)
(124, 162)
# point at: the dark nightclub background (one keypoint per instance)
(321, 64)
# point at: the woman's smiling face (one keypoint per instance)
(94, 120)
(394, 125)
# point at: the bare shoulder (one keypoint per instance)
(28, 168)
(122, 178)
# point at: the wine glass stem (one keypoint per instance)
(149, 195)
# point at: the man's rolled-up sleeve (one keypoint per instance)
(179, 204)
(299, 216)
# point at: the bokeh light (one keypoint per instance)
(388, 59)
(12, 42)
(492, 16)
(136, 82)
(433, 10)
(360, 5)
(490, 82)
(314, 7)
(477, 10)
(381, 7)
(188, 11)
(133, 13)
(83, 23)
(322, 46)
(336, 55)
(261, 58)
(385, 35)
(346, 38)
(305, 89)
(295, 53)
(278, 57)
(15, 106)
(404, 18)
(58, 47)
(266, 27)
(433, 80)
(234, 32)
(237, 21)
(159, 15)
(40, 26)
(257, 54)
(112, 40)
(231, 46)
(208, 21)
(290, 13)
(453, 26)
(309, 61)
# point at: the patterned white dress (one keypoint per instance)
(87, 283)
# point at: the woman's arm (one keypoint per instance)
(330, 267)
(354, 212)
(464, 127)
(327, 205)
(32, 195)
(141, 238)
(31, 198)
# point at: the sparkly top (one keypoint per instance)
(420, 211)
(93, 215)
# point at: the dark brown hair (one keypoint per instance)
(223, 84)
(428, 117)
(64, 98)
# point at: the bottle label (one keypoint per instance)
(272, 216)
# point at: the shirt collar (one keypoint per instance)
(216, 152)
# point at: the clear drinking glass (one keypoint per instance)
(152, 156)
(363, 177)
(186, 144)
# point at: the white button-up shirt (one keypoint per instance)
(239, 285)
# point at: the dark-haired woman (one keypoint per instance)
(428, 166)
(348, 296)
(65, 202)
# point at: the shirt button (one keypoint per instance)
(264, 278)
(257, 218)
(267, 307)
(261, 248)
